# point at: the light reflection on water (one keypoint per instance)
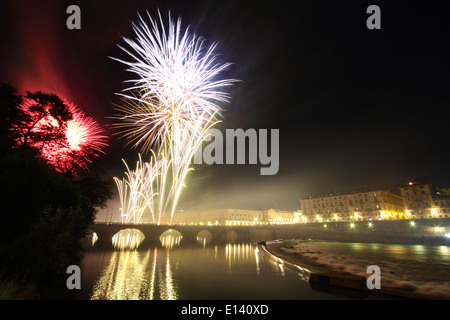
(224, 271)
(204, 237)
(170, 238)
(404, 252)
(136, 275)
(127, 239)
(153, 274)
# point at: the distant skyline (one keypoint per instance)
(353, 106)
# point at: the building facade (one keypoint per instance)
(279, 216)
(356, 205)
(233, 217)
(424, 200)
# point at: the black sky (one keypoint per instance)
(354, 106)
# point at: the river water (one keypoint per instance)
(172, 270)
(189, 272)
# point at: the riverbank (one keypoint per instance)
(398, 278)
(421, 231)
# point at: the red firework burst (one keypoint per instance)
(73, 144)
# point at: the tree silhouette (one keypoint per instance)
(10, 113)
(45, 211)
(44, 121)
(55, 130)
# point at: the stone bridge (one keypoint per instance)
(426, 231)
(220, 234)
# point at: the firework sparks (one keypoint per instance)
(137, 191)
(82, 139)
(175, 84)
(85, 141)
(84, 132)
(174, 99)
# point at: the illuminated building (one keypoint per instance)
(356, 205)
(424, 200)
(278, 216)
(234, 217)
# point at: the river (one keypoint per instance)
(171, 270)
(189, 272)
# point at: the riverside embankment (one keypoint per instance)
(411, 271)
(414, 255)
(423, 231)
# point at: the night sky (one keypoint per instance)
(354, 107)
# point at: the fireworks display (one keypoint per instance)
(69, 145)
(138, 188)
(84, 132)
(172, 102)
(84, 141)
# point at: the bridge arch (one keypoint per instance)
(128, 239)
(231, 236)
(170, 238)
(204, 237)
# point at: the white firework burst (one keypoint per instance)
(175, 97)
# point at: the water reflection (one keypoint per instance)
(204, 237)
(241, 257)
(419, 249)
(125, 278)
(136, 275)
(127, 239)
(257, 260)
(233, 270)
(150, 274)
(444, 250)
(170, 238)
(94, 239)
(168, 287)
